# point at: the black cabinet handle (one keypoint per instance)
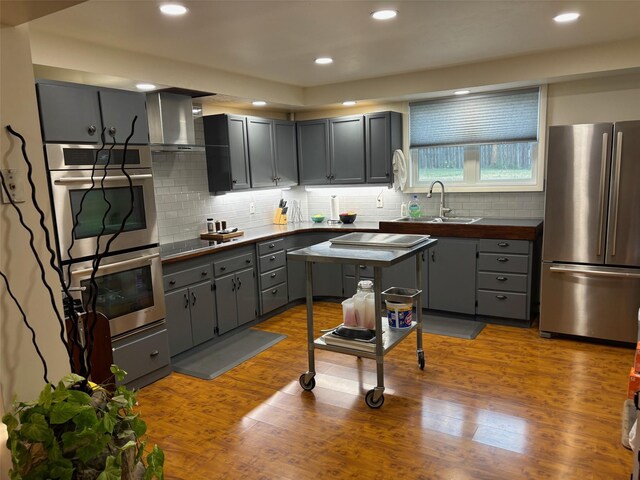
(233, 285)
(186, 301)
(172, 282)
(239, 284)
(223, 269)
(193, 299)
(503, 244)
(362, 267)
(501, 279)
(204, 273)
(273, 275)
(91, 129)
(433, 255)
(501, 297)
(155, 353)
(272, 258)
(274, 291)
(234, 181)
(248, 260)
(271, 245)
(503, 259)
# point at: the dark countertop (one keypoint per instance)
(178, 251)
(507, 228)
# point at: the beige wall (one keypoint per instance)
(21, 372)
(602, 99)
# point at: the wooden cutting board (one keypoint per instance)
(220, 236)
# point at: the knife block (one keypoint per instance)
(280, 218)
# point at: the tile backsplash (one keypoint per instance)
(184, 203)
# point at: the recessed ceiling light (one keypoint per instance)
(145, 87)
(259, 103)
(462, 92)
(349, 103)
(324, 60)
(566, 17)
(173, 9)
(384, 14)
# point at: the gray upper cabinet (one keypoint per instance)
(346, 147)
(72, 113)
(452, 275)
(272, 152)
(383, 135)
(227, 152)
(313, 152)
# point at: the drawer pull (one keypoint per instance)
(503, 259)
(503, 244)
(223, 268)
(272, 258)
(273, 275)
(274, 291)
(248, 260)
(271, 245)
(501, 297)
(363, 267)
(155, 353)
(502, 279)
(172, 282)
(204, 273)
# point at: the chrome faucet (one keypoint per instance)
(443, 210)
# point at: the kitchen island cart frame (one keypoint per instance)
(377, 257)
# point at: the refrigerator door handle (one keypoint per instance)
(616, 194)
(603, 175)
(605, 273)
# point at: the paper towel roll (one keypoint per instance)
(335, 208)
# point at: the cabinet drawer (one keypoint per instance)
(187, 277)
(271, 246)
(222, 267)
(349, 269)
(509, 282)
(503, 246)
(269, 279)
(494, 262)
(271, 261)
(139, 355)
(274, 297)
(502, 304)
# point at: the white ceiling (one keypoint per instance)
(278, 40)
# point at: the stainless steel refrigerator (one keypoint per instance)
(591, 246)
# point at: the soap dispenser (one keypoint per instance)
(414, 207)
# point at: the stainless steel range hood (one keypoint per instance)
(171, 123)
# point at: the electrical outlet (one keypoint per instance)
(252, 208)
(379, 202)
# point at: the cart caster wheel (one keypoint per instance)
(368, 398)
(307, 386)
(421, 360)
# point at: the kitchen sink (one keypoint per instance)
(448, 220)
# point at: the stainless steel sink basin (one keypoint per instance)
(449, 220)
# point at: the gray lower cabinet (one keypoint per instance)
(191, 311)
(505, 278)
(227, 152)
(144, 355)
(452, 275)
(73, 113)
(272, 262)
(236, 289)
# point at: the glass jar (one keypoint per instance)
(210, 225)
(365, 286)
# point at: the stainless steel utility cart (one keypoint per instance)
(376, 250)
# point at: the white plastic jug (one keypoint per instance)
(359, 306)
(348, 313)
(369, 312)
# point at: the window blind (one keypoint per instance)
(485, 118)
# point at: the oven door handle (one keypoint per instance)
(145, 260)
(108, 178)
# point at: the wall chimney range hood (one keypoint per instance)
(172, 121)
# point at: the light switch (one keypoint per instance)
(14, 181)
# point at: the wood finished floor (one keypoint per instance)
(507, 405)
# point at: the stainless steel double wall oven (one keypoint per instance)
(88, 186)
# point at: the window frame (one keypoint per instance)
(474, 165)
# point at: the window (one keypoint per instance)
(477, 142)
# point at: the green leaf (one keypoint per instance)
(120, 400)
(112, 471)
(155, 464)
(118, 372)
(81, 398)
(36, 429)
(109, 421)
(45, 397)
(86, 419)
(72, 441)
(138, 426)
(60, 394)
(71, 379)
(65, 411)
(62, 469)
(10, 421)
(87, 452)
(127, 445)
